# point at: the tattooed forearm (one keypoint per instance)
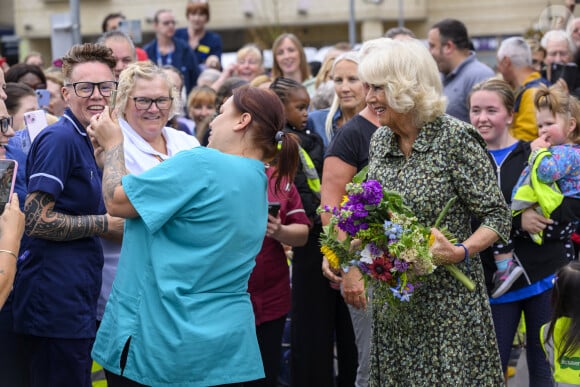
(113, 171)
(43, 222)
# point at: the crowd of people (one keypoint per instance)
(165, 225)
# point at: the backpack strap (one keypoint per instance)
(533, 83)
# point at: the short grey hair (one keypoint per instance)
(558, 35)
(118, 35)
(517, 49)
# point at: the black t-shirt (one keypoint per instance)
(351, 142)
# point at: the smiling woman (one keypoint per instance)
(55, 294)
(289, 58)
(429, 157)
(147, 100)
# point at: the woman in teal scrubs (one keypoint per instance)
(179, 312)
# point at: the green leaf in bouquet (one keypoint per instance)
(361, 175)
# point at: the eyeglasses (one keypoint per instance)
(6, 123)
(168, 22)
(86, 89)
(144, 103)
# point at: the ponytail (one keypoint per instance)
(286, 160)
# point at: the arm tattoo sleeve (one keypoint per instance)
(43, 222)
(113, 171)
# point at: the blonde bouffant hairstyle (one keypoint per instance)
(409, 75)
(146, 70)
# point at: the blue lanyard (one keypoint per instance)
(169, 58)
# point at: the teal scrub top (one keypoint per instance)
(180, 293)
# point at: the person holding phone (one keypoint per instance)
(11, 230)
(269, 285)
(59, 275)
(21, 99)
(28, 119)
(10, 354)
(30, 74)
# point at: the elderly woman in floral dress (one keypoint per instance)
(444, 335)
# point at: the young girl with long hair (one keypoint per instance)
(561, 336)
(319, 313)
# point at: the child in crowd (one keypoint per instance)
(550, 183)
(201, 106)
(561, 336)
(316, 311)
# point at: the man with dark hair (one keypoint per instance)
(165, 49)
(449, 45)
(111, 21)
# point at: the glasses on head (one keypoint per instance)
(144, 103)
(86, 89)
(6, 123)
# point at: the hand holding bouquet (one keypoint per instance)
(392, 249)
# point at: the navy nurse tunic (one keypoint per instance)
(58, 282)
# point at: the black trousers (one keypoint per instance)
(270, 341)
(320, 318)
(114, 380)
(12, 355)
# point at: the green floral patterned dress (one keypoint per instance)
(444, 336)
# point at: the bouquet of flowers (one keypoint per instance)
(383, 239)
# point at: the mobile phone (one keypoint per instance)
(35, 122)
(8, 170)
(112, 102)
(133, 29)
(43, 97)
(569, 72)
(273, 208)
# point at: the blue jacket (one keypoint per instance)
(183, 58)
(209, 44)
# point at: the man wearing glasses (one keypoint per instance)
(59, 275)
(165, 49)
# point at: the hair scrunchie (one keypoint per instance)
(278, 139)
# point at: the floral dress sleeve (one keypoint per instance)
(475, 182)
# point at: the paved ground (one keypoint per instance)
(521, 377)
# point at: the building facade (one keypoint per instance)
(316, 22)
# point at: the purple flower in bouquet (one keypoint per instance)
(403, 293)
(352, 216)
(372, 192)
(401, 266)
